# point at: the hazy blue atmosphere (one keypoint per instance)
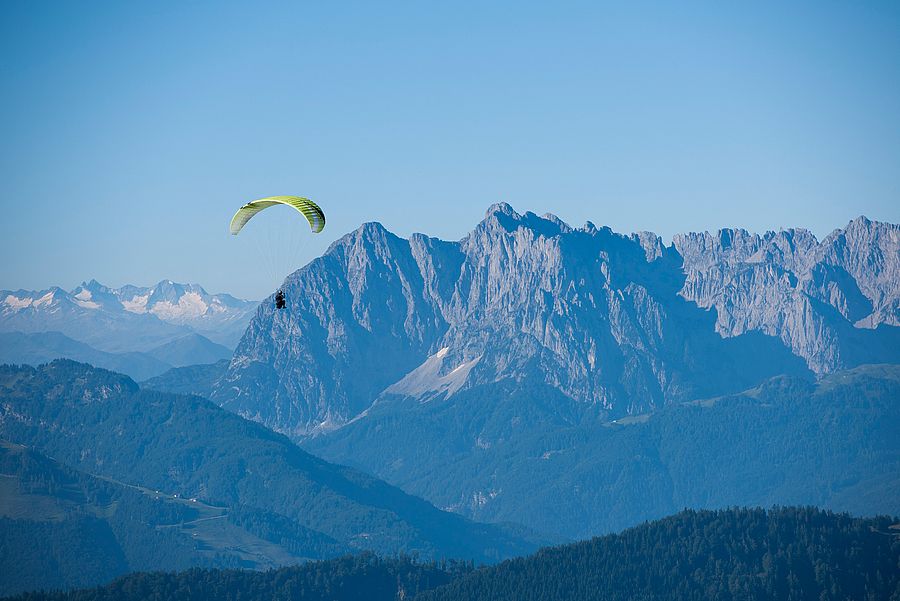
(132, 132)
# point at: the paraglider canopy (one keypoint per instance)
(278, 237)
(308, 208)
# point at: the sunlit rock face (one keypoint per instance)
(618, 324)
(830, 302)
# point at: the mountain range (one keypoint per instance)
(613, 324)
(42, 347)
(141, 332)
(561, 365)
(127, 319)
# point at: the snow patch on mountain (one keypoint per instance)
(137, 304)
(46, 299)
(189, 306)
(15, 303)
(88, 304)
(430, 379)
(83, 299)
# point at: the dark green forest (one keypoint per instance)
(348, 578)
(727, 555)
(62, 528)
(735, 554)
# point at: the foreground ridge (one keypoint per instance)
(784, 553)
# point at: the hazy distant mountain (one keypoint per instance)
(220, 317)
(190, 379)
(610, 324)
(101, 423)
(129, 318)
(55, 310)
(190, 350)
(43, 347)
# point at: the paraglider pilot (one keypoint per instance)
(304, 206)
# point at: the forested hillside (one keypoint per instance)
(101, 423)
(349, 578)
(728, 555)
(791, 553)
(61, 528)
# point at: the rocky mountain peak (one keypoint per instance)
(861, 222)
(501, 208)
(94, 286)
(562, 225)
(588, 227)
(499, 217)
(372, 230)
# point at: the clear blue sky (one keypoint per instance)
(131, 131)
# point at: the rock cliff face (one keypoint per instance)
(617, 324)
(828, 301)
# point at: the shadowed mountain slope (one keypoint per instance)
(102, 423)
(521, 456)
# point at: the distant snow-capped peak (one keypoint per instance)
(167, 300)
(19, 300)
(127, 318)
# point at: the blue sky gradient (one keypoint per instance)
(131, 131)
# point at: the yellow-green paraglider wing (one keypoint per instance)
(308, 208)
